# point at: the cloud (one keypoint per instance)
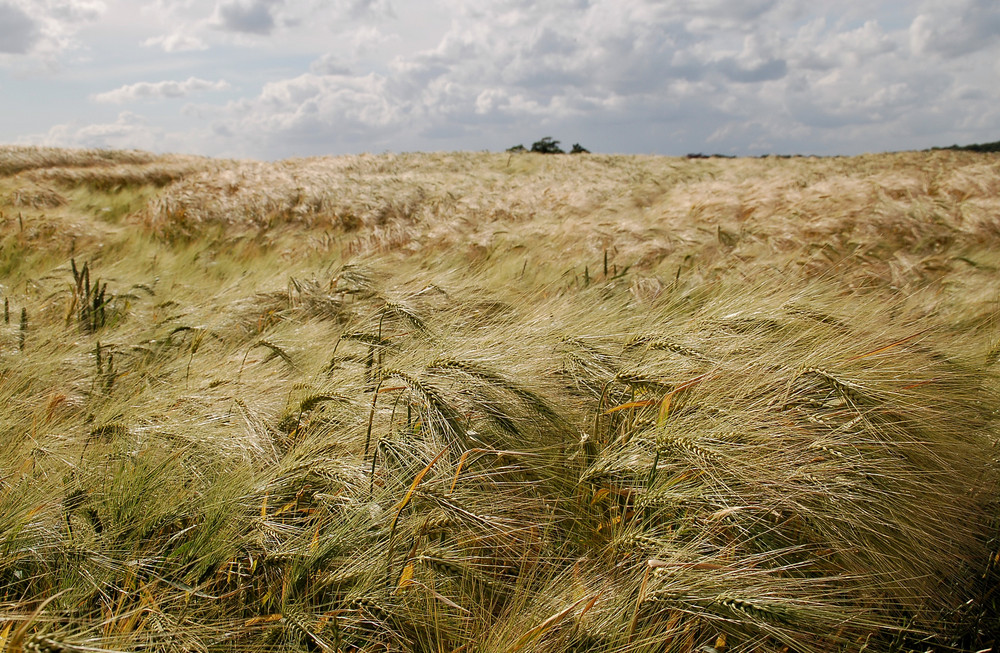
(159, 90)
(329, 64)
(41, 31)
(760, 72)
(303, 25)
(378, 9)
(76, 10)
(247, 16)
(956, 29)
(758, 61)
(176, 42)
(19, 32)
(129, 131)
(369, 39)
(333, 105)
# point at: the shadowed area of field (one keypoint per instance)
(498, 402)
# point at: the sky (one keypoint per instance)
(273, 79)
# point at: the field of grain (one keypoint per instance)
(499, 402)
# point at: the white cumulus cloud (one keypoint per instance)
(159, 90)
(321, 105)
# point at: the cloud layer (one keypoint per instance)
(734, 76)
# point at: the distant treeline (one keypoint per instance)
(975, 147)
(549, 146)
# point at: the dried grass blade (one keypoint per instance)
(887, 347)
(458, 470)
(404, 503)
(413, 487)
(632, 404)
(664, 413)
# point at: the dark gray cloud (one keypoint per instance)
(18, 31)
(247, 16)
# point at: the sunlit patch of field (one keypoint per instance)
(498, 402)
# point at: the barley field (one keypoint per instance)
(499, 403)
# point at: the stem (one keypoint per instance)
(371, 418)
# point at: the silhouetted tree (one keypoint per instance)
(579, 149)
(547, 146)
(517, 148)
